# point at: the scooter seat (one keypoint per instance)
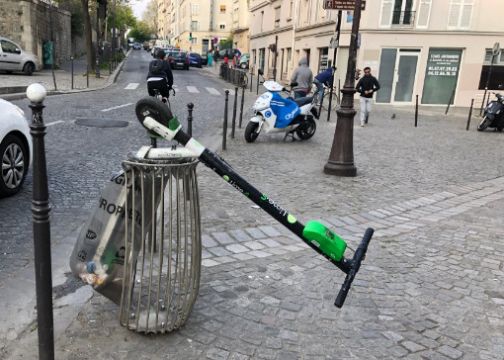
(304, 100)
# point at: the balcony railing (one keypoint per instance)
(403, 18)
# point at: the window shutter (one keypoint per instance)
(386, 14)
(454, 13)
(424, 10)
(465, 20)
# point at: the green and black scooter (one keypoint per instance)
(158, 119)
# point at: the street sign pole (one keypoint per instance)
(338, 30)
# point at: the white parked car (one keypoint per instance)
(15, 148)
(13, 58)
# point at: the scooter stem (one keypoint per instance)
(314, 234)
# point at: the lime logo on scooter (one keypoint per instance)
(276, 206)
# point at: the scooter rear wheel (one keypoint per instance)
(307, 129)
(251, 133)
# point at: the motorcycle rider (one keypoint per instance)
(160, 76)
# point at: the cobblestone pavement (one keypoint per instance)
(430, 288)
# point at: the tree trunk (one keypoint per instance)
(89, 37)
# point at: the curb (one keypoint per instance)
(111, 80)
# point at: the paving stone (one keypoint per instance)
(270, 231)
(223, 238)
(237, 248)
(218, 251)
(451, 352)
(240, 235)
(256, 233)
(411, 346)
(254, 245)
(208, 241)
(270, 243)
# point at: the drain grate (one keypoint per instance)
(101, 123)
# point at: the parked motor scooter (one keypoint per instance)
(493, 116)
(275, 113)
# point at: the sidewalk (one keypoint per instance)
(13, 84)
(430, 287)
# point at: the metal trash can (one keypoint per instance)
(161, 267)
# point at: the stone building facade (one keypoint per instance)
(27, 22)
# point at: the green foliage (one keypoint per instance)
(226, 44)
(141, 32)
(123, 17)
(77, 19)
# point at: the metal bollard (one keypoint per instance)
(416, 111)
(87, 77)
(241, 106)
(233, 122)
(257, 86)
(452, 98)
(251, 80)
(36, 93)
(190, 108)
(483, 102)
(224, 129)
(72, 61)
(470, 115)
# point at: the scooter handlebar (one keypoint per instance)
(359, 255)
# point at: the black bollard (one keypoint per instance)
(251, 80)
(72, 62)
(87, 77)
(41, 226)
(235, 105)
(257, 86)
(470, 115)
(483, 101)
(224, 127)
(190, 108)
(452, 98)
(241, 107)
(416, 111)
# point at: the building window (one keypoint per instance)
(223, 9)
(277, 17)
(194, 9)
(424, 9)
(254, 57)
(291, 8)
(222, 26)
(194, 25)
(323, 59)
(496, 62)
(459, 15)
(397, 13)
(262, 20)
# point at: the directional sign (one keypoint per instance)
(342, 4)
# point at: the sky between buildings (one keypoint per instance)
(138, 7)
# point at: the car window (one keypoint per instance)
(183, 54)
(8, 47)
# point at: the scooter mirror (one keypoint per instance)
(293, 84)
(260, 72)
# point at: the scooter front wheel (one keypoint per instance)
(484, 124)
(251, 133)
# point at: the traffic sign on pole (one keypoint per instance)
(341, 4)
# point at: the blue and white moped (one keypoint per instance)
(275, 113)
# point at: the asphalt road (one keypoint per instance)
(80, 159)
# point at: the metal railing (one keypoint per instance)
(237, 77)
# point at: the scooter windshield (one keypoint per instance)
(286, 110)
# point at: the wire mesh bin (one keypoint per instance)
(162, 244)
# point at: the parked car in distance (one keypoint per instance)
(15, 148)
(195, 60)
(137, 46)
(146, 45)
(13, 58)
(179, 60)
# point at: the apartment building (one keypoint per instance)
(195, 25)
(439, 50)
(240, 25)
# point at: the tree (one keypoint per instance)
(87, 31)
(150, 16)
(141, 32)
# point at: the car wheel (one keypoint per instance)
(29, 68)
(14, 158)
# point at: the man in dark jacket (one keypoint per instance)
(160, 76)
(366, 86)
(324, 78)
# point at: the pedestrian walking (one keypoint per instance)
(323, 78)
(366, 87)
(302, 78)
(210, 59)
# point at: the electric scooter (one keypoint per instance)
(157, 118)
(275, 113)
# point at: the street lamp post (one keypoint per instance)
(341, 158)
